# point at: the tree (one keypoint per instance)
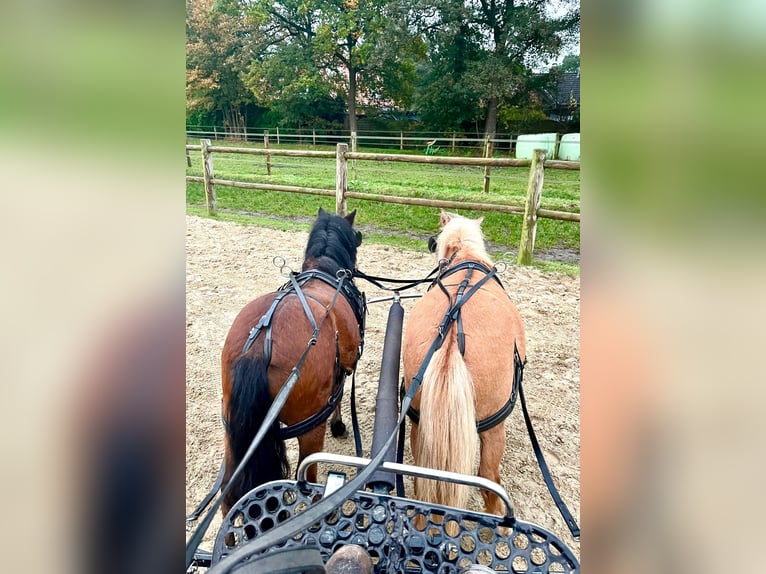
(505, 39)
(570, 63)
(310, 51)
(445, 95)
(216, 42)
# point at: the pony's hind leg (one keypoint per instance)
(337, 427)
(309, 443)
(492, 448)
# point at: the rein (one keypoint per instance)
(406, 283)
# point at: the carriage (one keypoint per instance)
(275, 524)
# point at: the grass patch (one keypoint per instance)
(556, 266)
(400, 225)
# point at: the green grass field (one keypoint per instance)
(401, 225)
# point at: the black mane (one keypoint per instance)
(332, 244)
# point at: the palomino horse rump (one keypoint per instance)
(471, 377)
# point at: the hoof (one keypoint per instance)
(338, 429)
(350, 559)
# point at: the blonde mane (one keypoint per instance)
(462, 238)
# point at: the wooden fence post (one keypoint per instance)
(215, 133)
(277, 135)
(452, 147)
(314, 137)
(268, 155)
(353, 149)
(208, 175)
(534, 193)
(401, 141)
(341, 178)
(487, 169)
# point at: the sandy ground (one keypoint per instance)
(227, 265)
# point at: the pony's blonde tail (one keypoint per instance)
(447, 433)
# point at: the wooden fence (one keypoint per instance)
(531, 209)
(429, 141)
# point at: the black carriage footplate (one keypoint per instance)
(401, 535)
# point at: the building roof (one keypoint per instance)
(568, 87)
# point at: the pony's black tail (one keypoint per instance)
(248, 403)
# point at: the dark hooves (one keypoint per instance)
(338, 429)
(349, 559)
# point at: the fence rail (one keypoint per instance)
(530, 210)
(438, 142)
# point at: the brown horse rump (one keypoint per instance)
(295, 287)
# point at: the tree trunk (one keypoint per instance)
(352, 71)
(351, 98)
(490, 127)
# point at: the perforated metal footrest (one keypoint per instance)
(401, 535)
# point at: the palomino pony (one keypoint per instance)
(266, 342)
(471, 377)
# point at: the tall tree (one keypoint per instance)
(217, 39)
(446, 96)
(507, 38)
(327, 48)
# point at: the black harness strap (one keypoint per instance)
(405, 283)
(568, 518)
(317, 418)
(195, 514)
(355, 418)
(504, 412)
(468, 264)
(302, 298)
(357, 303)
(460, 298)
(265, 321)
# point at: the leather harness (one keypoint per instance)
(358, 304)
(460, 298)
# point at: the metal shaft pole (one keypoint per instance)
(387, 399)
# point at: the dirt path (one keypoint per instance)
(227, 265)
